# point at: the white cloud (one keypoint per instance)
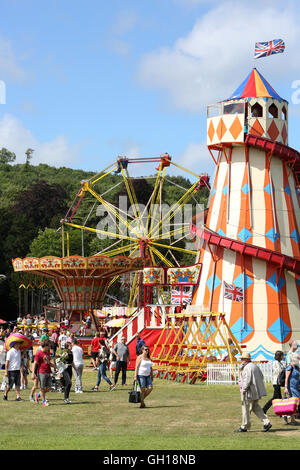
(10, 67)
(212, 60)
(124, 22)
(120, 47)
(196, 158)
(16, 138)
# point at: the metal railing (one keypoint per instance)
(228, 374)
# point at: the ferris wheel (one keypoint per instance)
(147, 222)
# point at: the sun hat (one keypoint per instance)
(245, 355)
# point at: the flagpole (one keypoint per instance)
(223, 297)
(243, 292)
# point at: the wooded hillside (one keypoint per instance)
(33, 200)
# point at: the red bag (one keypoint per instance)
(286, 406)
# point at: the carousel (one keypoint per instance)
(81, 282)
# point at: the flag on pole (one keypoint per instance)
(264, 49)
(231, 292)
(181, 297)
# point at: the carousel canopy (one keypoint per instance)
(81, 282)
(255, 85)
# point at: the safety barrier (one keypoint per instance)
(228, 374)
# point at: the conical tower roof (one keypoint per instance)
(254, 86)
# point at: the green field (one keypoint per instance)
(177, 417)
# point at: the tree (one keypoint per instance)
(28, 154)
(6, 156)
(49, 243)
(41, 202)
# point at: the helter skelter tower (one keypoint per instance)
(251, 235)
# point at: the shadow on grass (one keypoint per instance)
(163, 406)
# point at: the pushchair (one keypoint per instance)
(57, 382)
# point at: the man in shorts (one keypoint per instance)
(42, 369)
(13, 371)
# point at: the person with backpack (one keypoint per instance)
(278, 378)
(140, 343)
(103, 358)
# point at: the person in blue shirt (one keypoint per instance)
(139, 344)
(292, 383)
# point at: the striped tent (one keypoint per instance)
(255, 85)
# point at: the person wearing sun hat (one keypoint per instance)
(13, 370)
(252, 388)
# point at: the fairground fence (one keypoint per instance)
(228, 374)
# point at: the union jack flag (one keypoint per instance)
(181, 297)
(263, 49)
(232, 292)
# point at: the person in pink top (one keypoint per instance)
(53, 342)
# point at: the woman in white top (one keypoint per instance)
(277, 366)
(143, 374)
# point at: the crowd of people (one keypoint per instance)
(59, 355)
(252, 387)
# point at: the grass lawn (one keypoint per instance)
(177, 417)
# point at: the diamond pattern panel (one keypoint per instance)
(256, 129)
(280, 330)
(211, 131)
(276, 284)
(209, 282)
(246, 188)
(235, 128)
(272, 235)
(244, 235)
(273, 131)
(221, 129)
(240, 330)
(243, 280)
(295, 236)
(284, 134)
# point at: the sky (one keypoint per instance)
(88, 81)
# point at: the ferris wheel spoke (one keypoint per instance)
(114, 279)
(151, 198)
(103, 173)
(113, 210)
(133, 290)
(175, 208)
(133, 199)
(185, 169)
(102, 232)
(108, 247)
(161, 256)
(135, 250)
(120, 250)
(172, 247)
(156, 201)
(170, 234)
(172, 254)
